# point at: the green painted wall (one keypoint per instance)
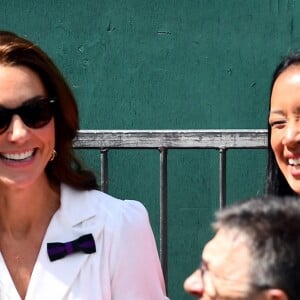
(168, 64)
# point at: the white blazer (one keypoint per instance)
(125, 265)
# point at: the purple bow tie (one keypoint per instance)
(85, 243)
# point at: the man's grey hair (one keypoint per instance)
(272, 227)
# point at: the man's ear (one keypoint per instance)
(276, 294)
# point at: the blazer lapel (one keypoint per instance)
(52, 280)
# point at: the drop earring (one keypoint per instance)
(54, 153)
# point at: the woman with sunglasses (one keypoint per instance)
(283, 171)
(60, 238)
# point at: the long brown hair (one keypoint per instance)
(65, 168)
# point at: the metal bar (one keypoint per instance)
(163, 212)
(209, 139)
(163, 140)
(222, 178)
(104, 170)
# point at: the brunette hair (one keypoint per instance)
(65, 168)
(275, 181)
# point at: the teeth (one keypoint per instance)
(294, 161)
(18, 156)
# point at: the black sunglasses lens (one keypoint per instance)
(5, 119)
(38, 113)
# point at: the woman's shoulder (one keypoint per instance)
(104, 205)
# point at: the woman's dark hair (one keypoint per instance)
(65, 168)
(275, 181)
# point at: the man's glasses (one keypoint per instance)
(254, 288)
(35, 113)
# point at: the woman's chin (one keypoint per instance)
(295, 185)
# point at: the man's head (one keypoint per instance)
(255, 253)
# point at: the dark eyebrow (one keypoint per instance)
(280, 112)
(35, 98)
(27, 101)
(276, 111)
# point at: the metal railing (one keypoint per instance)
(164, 140)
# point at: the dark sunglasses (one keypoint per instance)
(35, 113)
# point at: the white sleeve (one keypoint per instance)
(135, 265)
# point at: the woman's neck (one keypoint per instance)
(23, 209)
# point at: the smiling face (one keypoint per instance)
(284, 120)
(24, 152)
